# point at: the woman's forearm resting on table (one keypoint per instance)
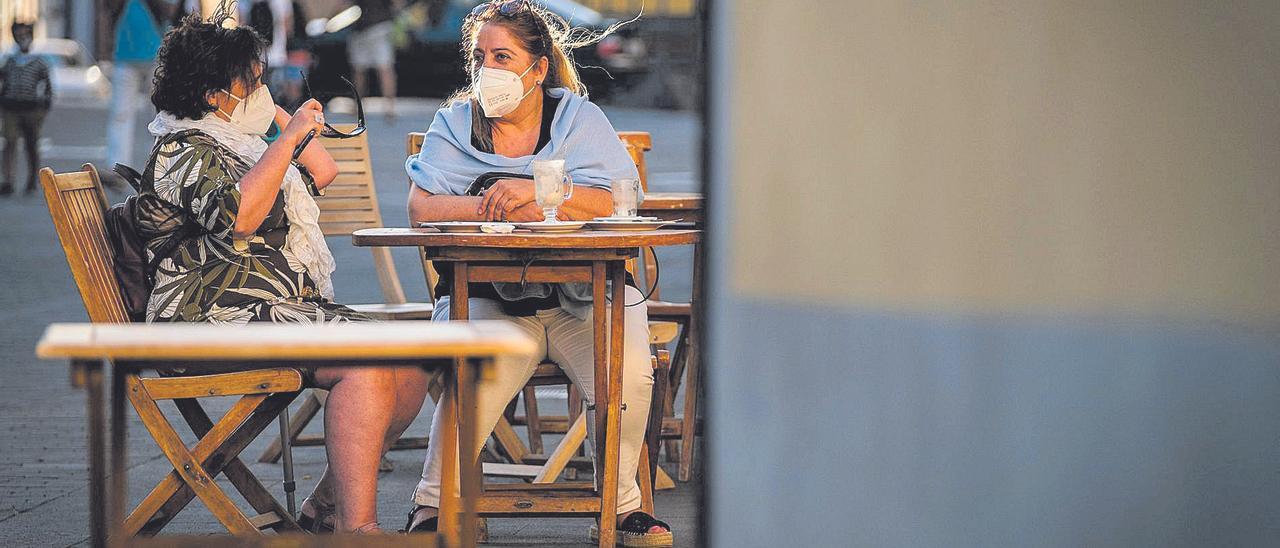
(427, 207)
(586, 203)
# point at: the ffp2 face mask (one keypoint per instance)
(500, 91)
(255, 112)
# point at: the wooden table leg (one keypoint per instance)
(88, 373)
(119, 446)
(469, 449)
(449, 468)
(688, 430)
(613, 411)
(452, 509)
(600, 330)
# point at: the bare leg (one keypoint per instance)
(10, 150)
(410, 392)
(359, 78)
(358, 415)
(387, 79)
(31, 136)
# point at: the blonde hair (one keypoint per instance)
(541, 33)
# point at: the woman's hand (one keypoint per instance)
(309, 117)
(316, 159)
(531, 213)
(504, 197)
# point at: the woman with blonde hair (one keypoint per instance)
(526, 103)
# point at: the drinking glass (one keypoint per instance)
(626, 197)
(551, 187)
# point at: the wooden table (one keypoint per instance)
(583, 256)
(464, 352)
(686, 206)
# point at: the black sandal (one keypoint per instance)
(317, 525)
(429, 525)
(633, 532)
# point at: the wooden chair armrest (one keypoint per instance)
(258, 381)
(667, 310)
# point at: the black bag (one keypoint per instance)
(486, 180)
(143, 222)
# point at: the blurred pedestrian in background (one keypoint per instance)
(298, 51)
(25, 96)
(275, 22)
(139, 26)
(370, 47)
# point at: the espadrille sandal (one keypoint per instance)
(633, 532)
(430, 525)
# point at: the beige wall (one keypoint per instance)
(1088, 157)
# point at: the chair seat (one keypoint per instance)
(662, 310)
(389, 312)
(548, 373)
(663, 332)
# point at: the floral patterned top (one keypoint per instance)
(211, 276)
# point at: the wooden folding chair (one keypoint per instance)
(668, 324)
(350, 203)
(530, 462)
(77, 204)
(681, 429)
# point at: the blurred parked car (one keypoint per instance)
(431, 63)
(77, 79)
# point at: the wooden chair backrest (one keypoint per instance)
(350, 203)
(638, 143)
(78, 206)
(412, 146)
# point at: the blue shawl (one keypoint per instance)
(580, 134)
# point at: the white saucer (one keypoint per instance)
(612, 219)
(627, 226)
(558, 226)
(454, 226)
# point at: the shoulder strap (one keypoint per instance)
(149, 173)
(148, 186)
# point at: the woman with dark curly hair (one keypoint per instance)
(255, 252)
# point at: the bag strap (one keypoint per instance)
(148, 186)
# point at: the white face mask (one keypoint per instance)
(255, 112)
(500, 91)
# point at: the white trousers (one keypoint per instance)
(128, 80)
(567, 341)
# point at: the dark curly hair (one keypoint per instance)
(199, 57)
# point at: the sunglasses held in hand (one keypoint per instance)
(330, 131)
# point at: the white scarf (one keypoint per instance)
(305, 240)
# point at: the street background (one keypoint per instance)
(42, 425)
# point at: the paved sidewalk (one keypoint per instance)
(42, 425)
